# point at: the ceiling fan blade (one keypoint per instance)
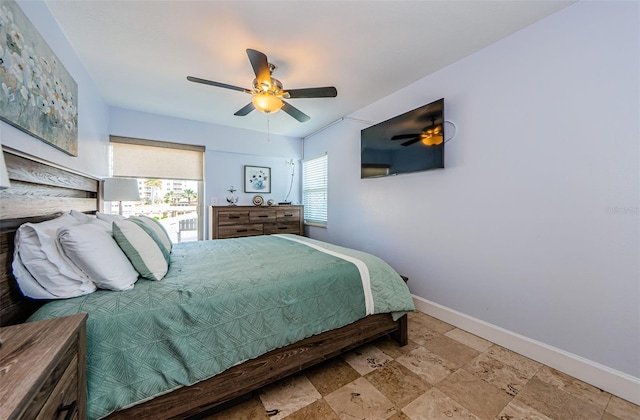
(295, 112)
(410, 142)
(318, 92)
(245, 110)
(218, 84)
(260, 66)
(404, 136)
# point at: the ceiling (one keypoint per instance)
(139, 53)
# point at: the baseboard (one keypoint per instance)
(615, 382)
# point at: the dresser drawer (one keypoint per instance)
(288, 215)
(237, 231)
(282, 228)
(262, 216)
(233, 217)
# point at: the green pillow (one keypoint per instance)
(147, 255)
(158, 228)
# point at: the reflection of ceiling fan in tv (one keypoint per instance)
(268, 93)
(429, 136)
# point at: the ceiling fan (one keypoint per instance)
(429, 136)
(267, 91)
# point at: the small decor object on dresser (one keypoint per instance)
(257, 179)
(258, 200)
(271, 202)
(231, 199)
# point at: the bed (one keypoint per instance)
(304, 325)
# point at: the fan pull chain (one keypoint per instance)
(268, 131)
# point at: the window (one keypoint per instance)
(315, 190)
(170, 182)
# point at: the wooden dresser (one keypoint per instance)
(42, 369)
(240, 221)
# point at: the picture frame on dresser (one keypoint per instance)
(257, 179)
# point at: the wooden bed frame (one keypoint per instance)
(41, 191)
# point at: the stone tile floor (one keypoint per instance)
(443, 373)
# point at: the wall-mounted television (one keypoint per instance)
(411, 142)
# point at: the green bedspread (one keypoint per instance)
(221, 303)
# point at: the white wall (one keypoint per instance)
(533, 225)
(228, 149)
(93, 114)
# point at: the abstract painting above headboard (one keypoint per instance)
(39, 191)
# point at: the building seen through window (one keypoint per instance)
(174, 203)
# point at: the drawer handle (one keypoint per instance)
(263, 215)
(234, 217)
(288, 215)
(70, 409)
(282, 228)
(241, 230)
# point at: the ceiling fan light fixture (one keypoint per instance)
(267, 92)
(432, 140)
(267, 102)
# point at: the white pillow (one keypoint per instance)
(27, 284)
(144, 252)
(89, 218)
(101, 224)
(94, 250)
(81, 217)
(41, 254)
(158, 228)
(109, 218)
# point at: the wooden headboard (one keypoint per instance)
(39, 191)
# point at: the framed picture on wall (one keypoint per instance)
(38, 94)
(257, 179)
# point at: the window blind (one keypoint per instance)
(138, 158)
(315, 190)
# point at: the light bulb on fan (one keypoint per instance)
(267, 102)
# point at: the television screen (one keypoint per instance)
(411, 142)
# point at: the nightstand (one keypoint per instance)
(42, 369)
